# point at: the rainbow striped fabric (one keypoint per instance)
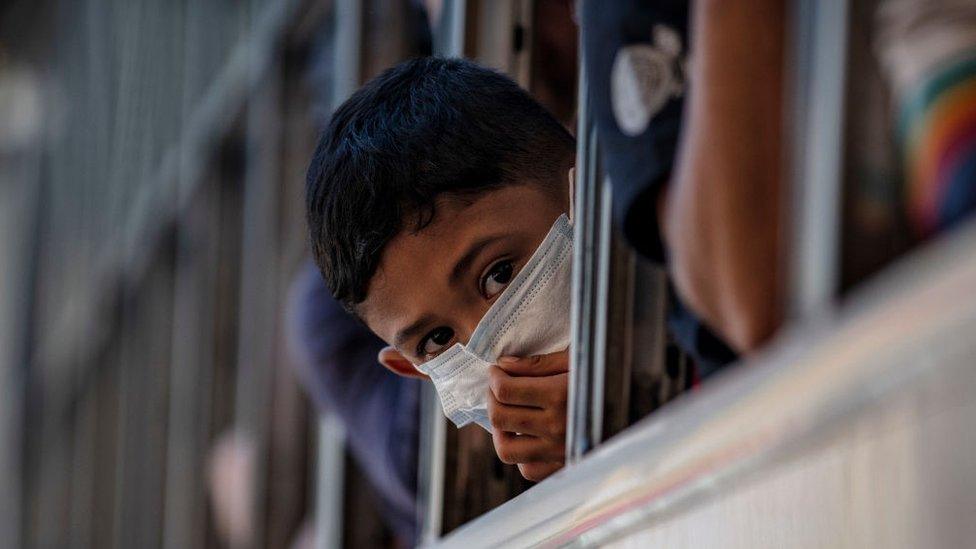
(937, 127)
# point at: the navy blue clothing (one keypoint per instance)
(709, 352)
(335, 356)
(639, 165)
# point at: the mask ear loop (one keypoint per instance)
(572, 193)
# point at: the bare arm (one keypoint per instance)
(721, 217)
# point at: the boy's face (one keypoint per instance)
(432, 287)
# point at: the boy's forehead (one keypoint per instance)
(413, 263)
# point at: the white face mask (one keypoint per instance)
(531, 317)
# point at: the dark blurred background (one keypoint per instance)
(152, 158)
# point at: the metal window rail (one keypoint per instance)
(19, 229)
(816, 89)
(586, 226)
(607, 309)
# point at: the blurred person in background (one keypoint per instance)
(711, 208)
(636, 57)
(908, 131)
(927, 50)
(335, 357)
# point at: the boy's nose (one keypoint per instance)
(467, 324)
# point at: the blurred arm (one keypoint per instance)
(721, 216)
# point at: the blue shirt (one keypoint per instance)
(335, 358)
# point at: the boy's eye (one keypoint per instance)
(435, 342)
(497, 278)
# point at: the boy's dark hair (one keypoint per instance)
(424, 128)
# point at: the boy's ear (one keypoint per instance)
(396, 363)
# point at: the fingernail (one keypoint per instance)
(508, 360)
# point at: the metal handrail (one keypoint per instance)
(816, 84)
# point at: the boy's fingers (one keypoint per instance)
(512, 448)
(540, 392)
(539, 365)
(525, 420)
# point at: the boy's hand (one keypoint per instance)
(527, 409)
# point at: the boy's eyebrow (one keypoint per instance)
(411, 331)
(468, 258)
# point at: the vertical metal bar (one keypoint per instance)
(819, 51)
(191, 374)
(650, 382)
(624, 329)
(456, 13)
(522, 58)
(601, 271)
(430, 478)
(591, 289)
(258, 276)
(579, 388)
(496, 21)
(20, 218)
(348, 49)
(504, 37)
(347, 60)
(329, 491)
(149, 476)
(11, 386)
(126, 389)
(604, 306)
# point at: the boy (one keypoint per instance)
(430, 190)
